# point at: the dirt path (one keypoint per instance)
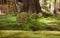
(29, 34)
(15, 31)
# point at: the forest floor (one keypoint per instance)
(29, 34)
(7, 21)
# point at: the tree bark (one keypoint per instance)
(31, 6)
(58, 7)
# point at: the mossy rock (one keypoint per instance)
(22, 17)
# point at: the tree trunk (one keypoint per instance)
(31, 6)
(57, 7)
